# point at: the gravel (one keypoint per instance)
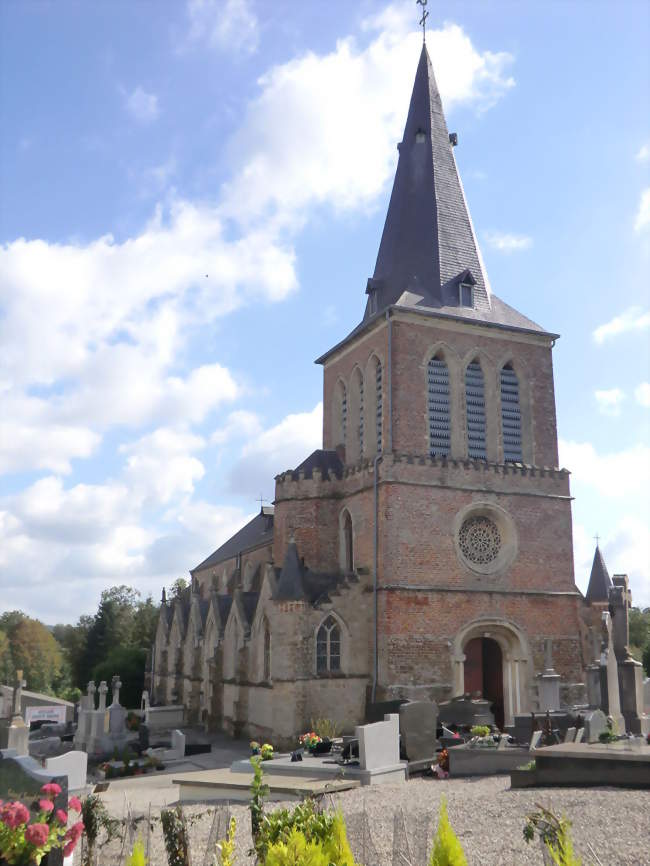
(610, 826)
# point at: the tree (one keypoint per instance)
(74, 640)
(6, 664)
(113, 625)
(35, 651)
(145, 623)
(128, 663)
(177, 587)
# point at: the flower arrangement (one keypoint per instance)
(267, 752)
(24, 841)
(310, 740)
(255, 747)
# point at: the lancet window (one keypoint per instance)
(510, 415)
(379, 401)
(475, 410)
(328, 647)
(439, 408)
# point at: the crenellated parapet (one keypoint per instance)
(517, 478)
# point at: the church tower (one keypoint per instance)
(440, 407)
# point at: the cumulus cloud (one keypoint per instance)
(323, 128)
(275, 450)
(610, 401)
(142, 106)
(160, 466)
(507, 243)
(642, 219)
(614, 475)
(228, 26)
(630, 320)
(643, 154)
(642, 394)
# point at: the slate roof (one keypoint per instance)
(428, 245)
(257, 531)
(297, 583)
(328, 462)
(600, 582)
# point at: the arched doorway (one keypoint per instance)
(484, 673)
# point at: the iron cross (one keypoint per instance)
(423, 21)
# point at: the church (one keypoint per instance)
(426, 550)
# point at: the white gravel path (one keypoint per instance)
(487, 816)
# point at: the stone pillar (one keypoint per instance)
(619, 608)
(610, 699)
(593, 672)
(549, 682)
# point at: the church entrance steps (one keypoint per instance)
(209, 785)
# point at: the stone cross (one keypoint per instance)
(17, 702)
(116, 685)
(90, 695)
(103, 689)
(609, 691)
(619, 608)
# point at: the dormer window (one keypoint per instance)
(420, 136)
(466, 295)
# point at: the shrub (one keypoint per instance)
(299, 850)
(177, 843)
(96, 819)
(447, 850)
(555, 835)
(137, 857)
(226, 847)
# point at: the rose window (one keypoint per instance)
(479, 540)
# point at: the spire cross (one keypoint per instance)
(597, 537)
(261, 501)
(423, 21)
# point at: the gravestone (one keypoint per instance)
(379, 743)
(535, 740)
(570, 735)
(579, 735)
(549, 682)
(73, 765)
(418, 721)
(646, 694)
(21, 778)
(595, 724)
(630, 671)
(14, 733)
(464, 711)
(609, 690)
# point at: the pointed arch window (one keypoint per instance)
(328, 647)
(510, 415)
(439, 408)
(379, 402)
(348, 543)
(267, 652)
(475, 408)
(361, 418)
(344, 412)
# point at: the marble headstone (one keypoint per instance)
(418, 721)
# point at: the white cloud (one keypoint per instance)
(643, 154)
(160, 465)
(275, 450)
(27, 445)
(507, 243)
(642, 394)
(142, 106)
(630, 320)
(229, 25)
(614, 475)
(242, 425)
(642, 220)
(610, 401)
(323, 129)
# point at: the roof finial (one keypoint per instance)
(423, 21)
(597, 537)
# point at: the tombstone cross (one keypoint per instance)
(103, 688)
(17, 701)
(116, 685)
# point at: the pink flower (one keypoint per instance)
(75, 804)
(69, 848)
(14, 814)
(61, 816)
(51, 789)
(75, 832)
(37, 834)
(45, 805)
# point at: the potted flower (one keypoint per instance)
(25, 841)
(266, 752)
(314, 744)
(255, 748)
(482, 737)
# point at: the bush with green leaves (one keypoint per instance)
(447, 850)
(297, 849)
(97, 821)
(480, 731)
(138, 857)
(555, 835)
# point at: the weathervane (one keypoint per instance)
(423, 21)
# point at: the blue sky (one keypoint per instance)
(192, 196)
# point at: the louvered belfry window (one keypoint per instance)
(475, 405)
(510, 415)
(439, 409)
(379, 406)
(344, 411)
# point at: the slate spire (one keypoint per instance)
(600, 582)
(428, 245)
